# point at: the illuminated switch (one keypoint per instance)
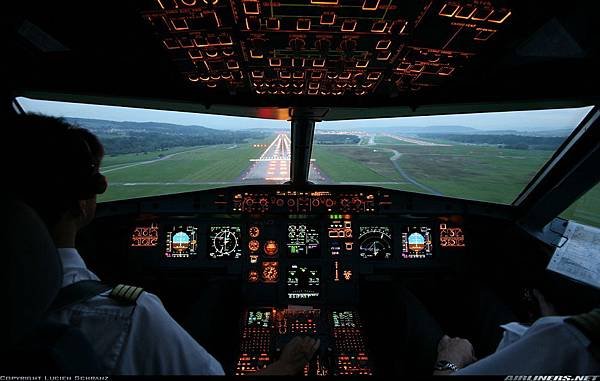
(465, 12)
(273, 24)
(327, 18)
(170, 43)
(225, 40)
(362, 64)
(252, 23)
(186, 42)
(256, 54)
(348, 25)
(303, 24)
(449, 10)
(298, 75)
(298, 62)
(319, 62)
(446, 70)
(383, 44)
(373, 76)
(251, 7)
(195, 54)
(316, 75)
(274, 62)
(499, 16)
(483, 34)
(179, 24)
(379, 26)
(324, 2)
(416, 68)
(349, 246)
(285, 74)
(384, 56)
(481, 14)
(200, 42)
(370, 5)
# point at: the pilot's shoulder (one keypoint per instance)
(126, 294)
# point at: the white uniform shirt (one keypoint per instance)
(549, 346)
(141, 339)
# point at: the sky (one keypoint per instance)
(517, 120)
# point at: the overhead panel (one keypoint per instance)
(323, 47)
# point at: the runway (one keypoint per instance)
(273, 165)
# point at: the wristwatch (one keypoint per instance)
(446, 365)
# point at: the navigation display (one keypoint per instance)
(224, 242)
(303, 241)
(303, 282)
(416, 242)
(375, 242)
(181, 242)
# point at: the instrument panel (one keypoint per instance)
(304, 259)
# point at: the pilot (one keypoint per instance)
(57, 174)
(551, 345)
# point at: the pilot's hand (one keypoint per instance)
(546, 308)
(298, 352)
(456, 350)
(294, 357)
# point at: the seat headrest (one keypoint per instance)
(33, 267)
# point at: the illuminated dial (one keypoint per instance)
(270, 272)
(253, 276)
(271, 248)
(254, 231)
(253, 245)
(375, 242)
(224, 242)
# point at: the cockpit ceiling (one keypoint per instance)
(350, 48)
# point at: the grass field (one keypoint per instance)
(587, 209)
(113, 161)
(472, 172)
(191, 168)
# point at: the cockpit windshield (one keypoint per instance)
(154, 152)
(486, 156)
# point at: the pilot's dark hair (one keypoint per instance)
(53, 164)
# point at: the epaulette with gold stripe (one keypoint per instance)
(126, 294)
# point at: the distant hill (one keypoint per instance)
(133, 137)
(464, 130)
(102, 126)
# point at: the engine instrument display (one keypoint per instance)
(303, 282)
(451, 236)
(303, 241)
(224, 242)
(339, 234)
(375, 242)
(416, 242)
(181, 242)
